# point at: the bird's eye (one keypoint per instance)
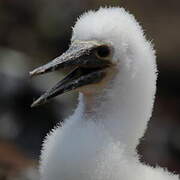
(103, 52)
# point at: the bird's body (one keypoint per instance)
(98, 142)
(85, 150)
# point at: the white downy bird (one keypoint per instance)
(115, 73)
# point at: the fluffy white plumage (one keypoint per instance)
(98, 142)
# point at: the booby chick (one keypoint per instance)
(115, 74)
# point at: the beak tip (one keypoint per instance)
(33, 73)
(37, 102)
(36, 72)
(34, 104)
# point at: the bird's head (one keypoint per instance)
(101, 45)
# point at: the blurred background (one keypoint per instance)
(32, 32)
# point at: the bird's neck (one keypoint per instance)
(124, 107)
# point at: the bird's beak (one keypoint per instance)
(88, 70)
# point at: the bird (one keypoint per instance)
(115, 73)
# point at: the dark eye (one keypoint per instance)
(103, 52)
